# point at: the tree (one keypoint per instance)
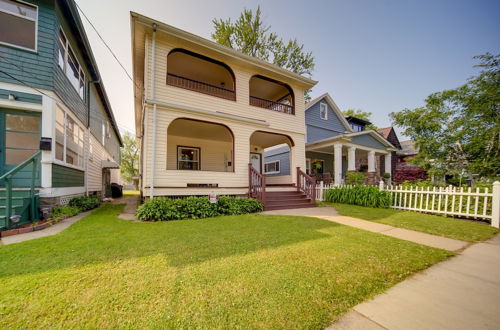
(251, 36)
(457, 132)
(129, 165)
(358, 113)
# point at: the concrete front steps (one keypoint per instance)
(286, 197)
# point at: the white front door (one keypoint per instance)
(255, 161)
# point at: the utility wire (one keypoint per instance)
(105, 44)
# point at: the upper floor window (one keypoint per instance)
(201, 74)
(270, 94)
(69, 64)
(18, 24)
(323, 111)
(69, 139)
(357, 127)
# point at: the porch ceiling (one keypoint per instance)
(266, 140)
(199, 130)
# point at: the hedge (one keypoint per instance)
(164, 209)
(369, 196)
(85, 203)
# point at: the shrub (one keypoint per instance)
(164, 209)
(85, 203)
(359, 195)
(354, 178)
(59, 211)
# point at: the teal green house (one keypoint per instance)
(58, 135)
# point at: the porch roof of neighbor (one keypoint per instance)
(347, 139)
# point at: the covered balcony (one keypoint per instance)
(201, 74)
(271, 94)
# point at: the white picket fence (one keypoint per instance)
(452, 201)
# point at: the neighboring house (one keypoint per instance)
(334, 148)
(205, 111)
(52, 99)
(390, 135)
(404, 170)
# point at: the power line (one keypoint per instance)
(105, 44)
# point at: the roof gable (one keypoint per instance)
(335, 109)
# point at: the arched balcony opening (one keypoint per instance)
(271, 94)
(195, 145)
(201, 74)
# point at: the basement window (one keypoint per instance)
(18, 24)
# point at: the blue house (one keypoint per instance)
(58, 135)
(335, 146)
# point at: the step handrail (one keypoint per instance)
(306, 184)
(256, 184)
(7, 177)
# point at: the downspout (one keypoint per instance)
(153, 95)
(86, 160)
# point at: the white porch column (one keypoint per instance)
(371, 161)
(388, 163)
(351, 159)
(337, 164)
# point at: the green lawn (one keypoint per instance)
(448, 227)
(250, 271)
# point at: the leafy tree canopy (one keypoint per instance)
(129, 154)
(250, 35)
(457, 131)
(358, 113)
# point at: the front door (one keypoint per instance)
(19, 140)
(256, 161)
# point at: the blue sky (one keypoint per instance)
(376, 55)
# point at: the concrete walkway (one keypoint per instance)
(49, 231)
(131, 203)
(460, 293)
(330, 214)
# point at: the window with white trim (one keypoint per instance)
(188, 158)
(67, 61)
(18, 24)
(323, 111)
(69, 139)
(272, 167)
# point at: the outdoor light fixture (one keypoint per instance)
(12, 97)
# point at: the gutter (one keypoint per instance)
(153, 94)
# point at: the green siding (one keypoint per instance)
(33, 68)
(63, 176)
(21, 97)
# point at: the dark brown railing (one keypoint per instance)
(201, 87)
(256, 184)
(271, 105)
(306, 184)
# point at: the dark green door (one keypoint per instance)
(19, 140)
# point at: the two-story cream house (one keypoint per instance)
(204, 111)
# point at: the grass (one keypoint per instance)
(130, 192)
(432, 224)
(249, 271)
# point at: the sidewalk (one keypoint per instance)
(330, 214)
(49, 231)
(460, 293)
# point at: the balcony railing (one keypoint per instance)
(201, 87)
(271, 105)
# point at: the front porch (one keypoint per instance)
(331, 159)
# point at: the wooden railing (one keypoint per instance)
(8, 178)
(271, 105)
(201, 87)
(256, 184)
(306, 184)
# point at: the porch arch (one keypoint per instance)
(199, 145)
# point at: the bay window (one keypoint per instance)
(18, 24)
(67, 61)
(69, 139)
